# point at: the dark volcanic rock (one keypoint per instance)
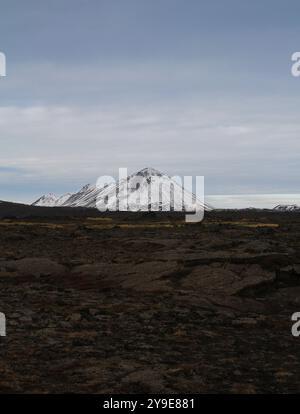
(146, 304)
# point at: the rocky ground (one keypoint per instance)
(148, 304)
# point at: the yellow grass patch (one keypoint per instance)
(246, 224)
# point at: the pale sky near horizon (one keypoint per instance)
(189, 87)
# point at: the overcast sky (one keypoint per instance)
(189, 87)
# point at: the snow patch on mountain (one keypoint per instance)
(287, 207)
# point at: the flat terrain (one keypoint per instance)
(144, 303)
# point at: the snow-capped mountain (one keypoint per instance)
(135, 190)
(47, 200)
(288, 207)
(51, 200)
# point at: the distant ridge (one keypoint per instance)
(51, 200)
(287, 207)
(89, 195)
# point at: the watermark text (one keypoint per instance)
(149, 190)
(2, 324)
(296, 65)
(2, 64)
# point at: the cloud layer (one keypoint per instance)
(236, 148)
(197, 89)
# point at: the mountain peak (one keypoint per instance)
(87, 187)
(149, 172)
(47, 200)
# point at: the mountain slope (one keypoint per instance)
(62, 199)
(85, 197)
